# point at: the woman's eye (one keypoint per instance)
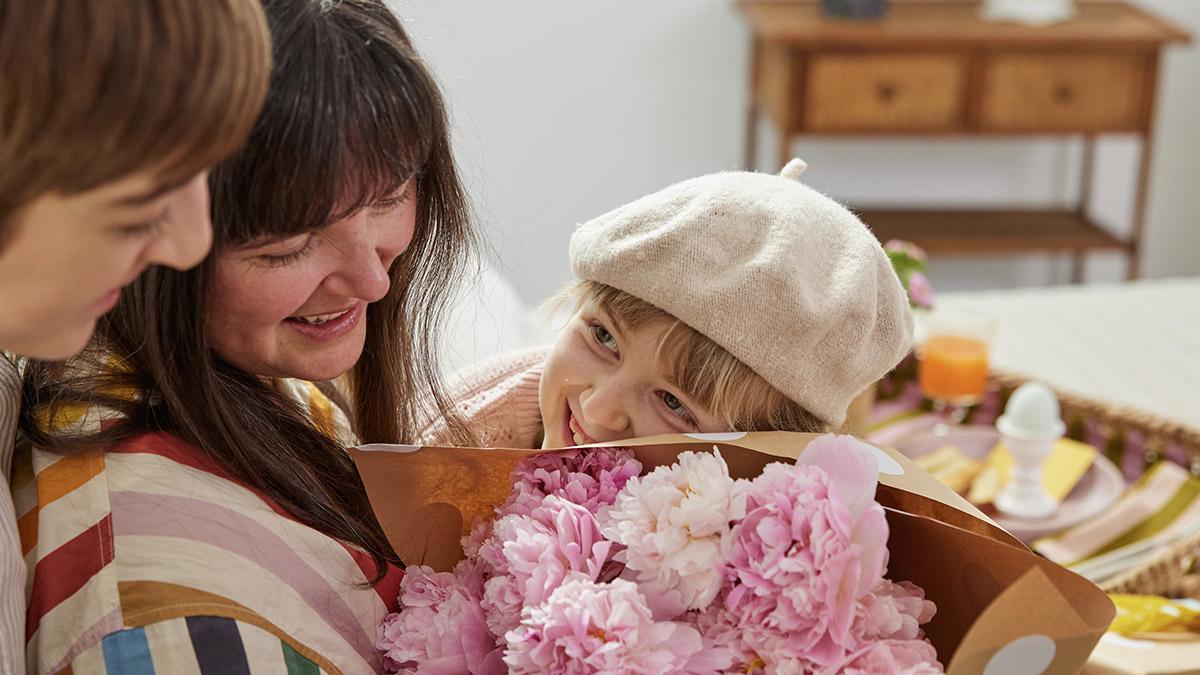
(280, 259)
(389, 203)
(677, 407)
(604, 338)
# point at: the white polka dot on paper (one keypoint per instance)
(1030, 655)
(886, 463)
(719, 436)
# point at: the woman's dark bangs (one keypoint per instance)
(348, 120)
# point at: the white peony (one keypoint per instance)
(675, 525)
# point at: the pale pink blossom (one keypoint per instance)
(444, 639)
(892, 657)
(894, 611)
(907, 248)
(536, 552)
(811, 547)
(585, 627)
(675, 525)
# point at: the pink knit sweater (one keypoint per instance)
(499, 400)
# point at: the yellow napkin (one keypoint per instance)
(1067, 463)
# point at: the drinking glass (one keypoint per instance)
(952, 363)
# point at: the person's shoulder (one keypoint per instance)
(506, 370)
(498, 399)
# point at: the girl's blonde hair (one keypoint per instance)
(716, 379)
(92, 92)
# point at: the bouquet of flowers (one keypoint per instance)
(910, 261)
(591, 567)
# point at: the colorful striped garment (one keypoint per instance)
(146, 557)
(12, 567)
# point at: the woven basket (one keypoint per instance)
(1162, 437)
(1172, 572)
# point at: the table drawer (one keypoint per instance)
(885, 92)
(1064, 92)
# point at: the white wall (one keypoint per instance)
(563, 110)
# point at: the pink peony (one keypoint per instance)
(892, 657)
(894, 612)
(811, 547)
(588, 477)
(536, 552)
(675, 525)
(585, 627)
(449, 637)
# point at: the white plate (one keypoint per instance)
(1099, 487)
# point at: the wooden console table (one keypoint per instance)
(935, 67)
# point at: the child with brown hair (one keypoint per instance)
(734, 301)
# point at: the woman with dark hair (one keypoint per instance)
(187, 496)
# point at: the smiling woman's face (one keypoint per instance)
(605, 382)
(297, 307)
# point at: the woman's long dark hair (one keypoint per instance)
(351, 115)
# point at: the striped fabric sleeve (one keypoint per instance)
(194, 645)
(12, 563)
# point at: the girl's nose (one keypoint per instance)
(605, 410)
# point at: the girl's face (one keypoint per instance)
(603, 383)
(297, 307)
(67, 257)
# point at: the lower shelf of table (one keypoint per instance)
(984, 232)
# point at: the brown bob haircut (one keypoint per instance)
(91, 92)
(352, 114)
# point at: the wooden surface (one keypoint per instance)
(958, 232)
(937, 67)
(954, 22)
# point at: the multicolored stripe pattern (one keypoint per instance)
(12, 566)
(145, 557)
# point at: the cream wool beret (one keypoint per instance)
(784, 278)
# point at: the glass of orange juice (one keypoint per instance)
(952, 362)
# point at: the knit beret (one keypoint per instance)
(782, 277)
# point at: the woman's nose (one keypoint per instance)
(362, 275)
(186, 234)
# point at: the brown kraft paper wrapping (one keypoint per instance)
(1000, 608)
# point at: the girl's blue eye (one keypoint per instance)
(677, 407)
(604, 338)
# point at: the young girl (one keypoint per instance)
(735, 301)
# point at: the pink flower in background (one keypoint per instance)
(920, 291)
(907, 248)
(675, 525)
(585, 627)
